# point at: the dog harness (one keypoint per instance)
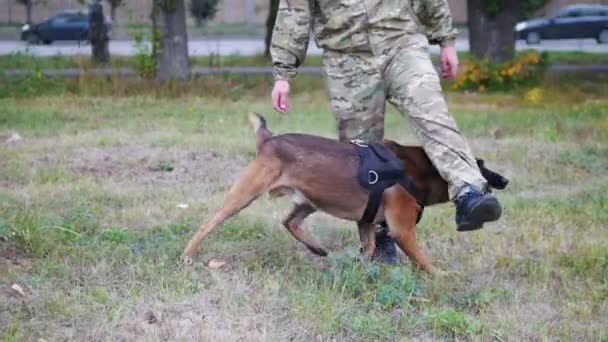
(380, 169)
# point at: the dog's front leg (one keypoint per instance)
(367, 235)
(401, 211)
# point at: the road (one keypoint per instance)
(252, 46)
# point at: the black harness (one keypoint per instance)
(379, 169)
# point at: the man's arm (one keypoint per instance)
(290, 38)
(436, 17)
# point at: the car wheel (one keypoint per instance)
(533, 38)
(602, 38)
(33, 39)
(47, 42)
(83, 37)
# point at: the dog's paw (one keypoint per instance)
(318, 251)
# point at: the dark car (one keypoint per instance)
(572, 22)
(69, 25)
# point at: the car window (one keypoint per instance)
(59, 20)
(77, 19)
(563, 14)
(598, 12)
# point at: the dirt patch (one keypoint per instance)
(151, 165)
(12, 257)
(241, 314)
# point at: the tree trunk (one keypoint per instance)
(173, 58)
(155, 32)
(98, 35)
(492, 37)
(113, 12)
(272, 17)
(28, 11)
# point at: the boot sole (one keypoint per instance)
(488, 210)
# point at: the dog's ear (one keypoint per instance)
(494, 179)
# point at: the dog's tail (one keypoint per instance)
(259, 126)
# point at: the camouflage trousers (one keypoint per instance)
(359, 86)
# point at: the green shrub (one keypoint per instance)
(453, 323)
(144, 61)
(384, 288)
(115, 235)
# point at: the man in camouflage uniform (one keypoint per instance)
(374, 51)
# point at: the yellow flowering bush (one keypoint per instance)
(526, 69)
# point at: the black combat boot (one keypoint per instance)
(386, 251)
(474, 208)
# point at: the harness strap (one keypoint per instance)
(380, 169)
(373, 204)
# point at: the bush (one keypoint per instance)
(525, 70)
(203, 10)
(144, 60)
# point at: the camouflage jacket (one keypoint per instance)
(352, 26)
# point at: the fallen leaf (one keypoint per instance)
(18, 289)
(215, 264)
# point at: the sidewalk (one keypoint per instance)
(252, 46)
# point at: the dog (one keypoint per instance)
(320, 174)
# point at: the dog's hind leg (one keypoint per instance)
(254, 181)
(367, 235)
(401, 211)
(293, 223)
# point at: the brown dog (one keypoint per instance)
(321, 174)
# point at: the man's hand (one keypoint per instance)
(280, 96)
(449, 61)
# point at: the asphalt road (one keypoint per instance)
(250, 46)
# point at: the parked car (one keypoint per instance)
(572, 22)
(69, 25)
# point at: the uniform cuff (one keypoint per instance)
(281, 73)
(447, 42)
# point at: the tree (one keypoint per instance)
(172, 57)
(491, 24)
(98, 33)
(29, 5)
(203, 10)
(272, 18)
(114, 4)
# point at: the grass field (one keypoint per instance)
(91, 230)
